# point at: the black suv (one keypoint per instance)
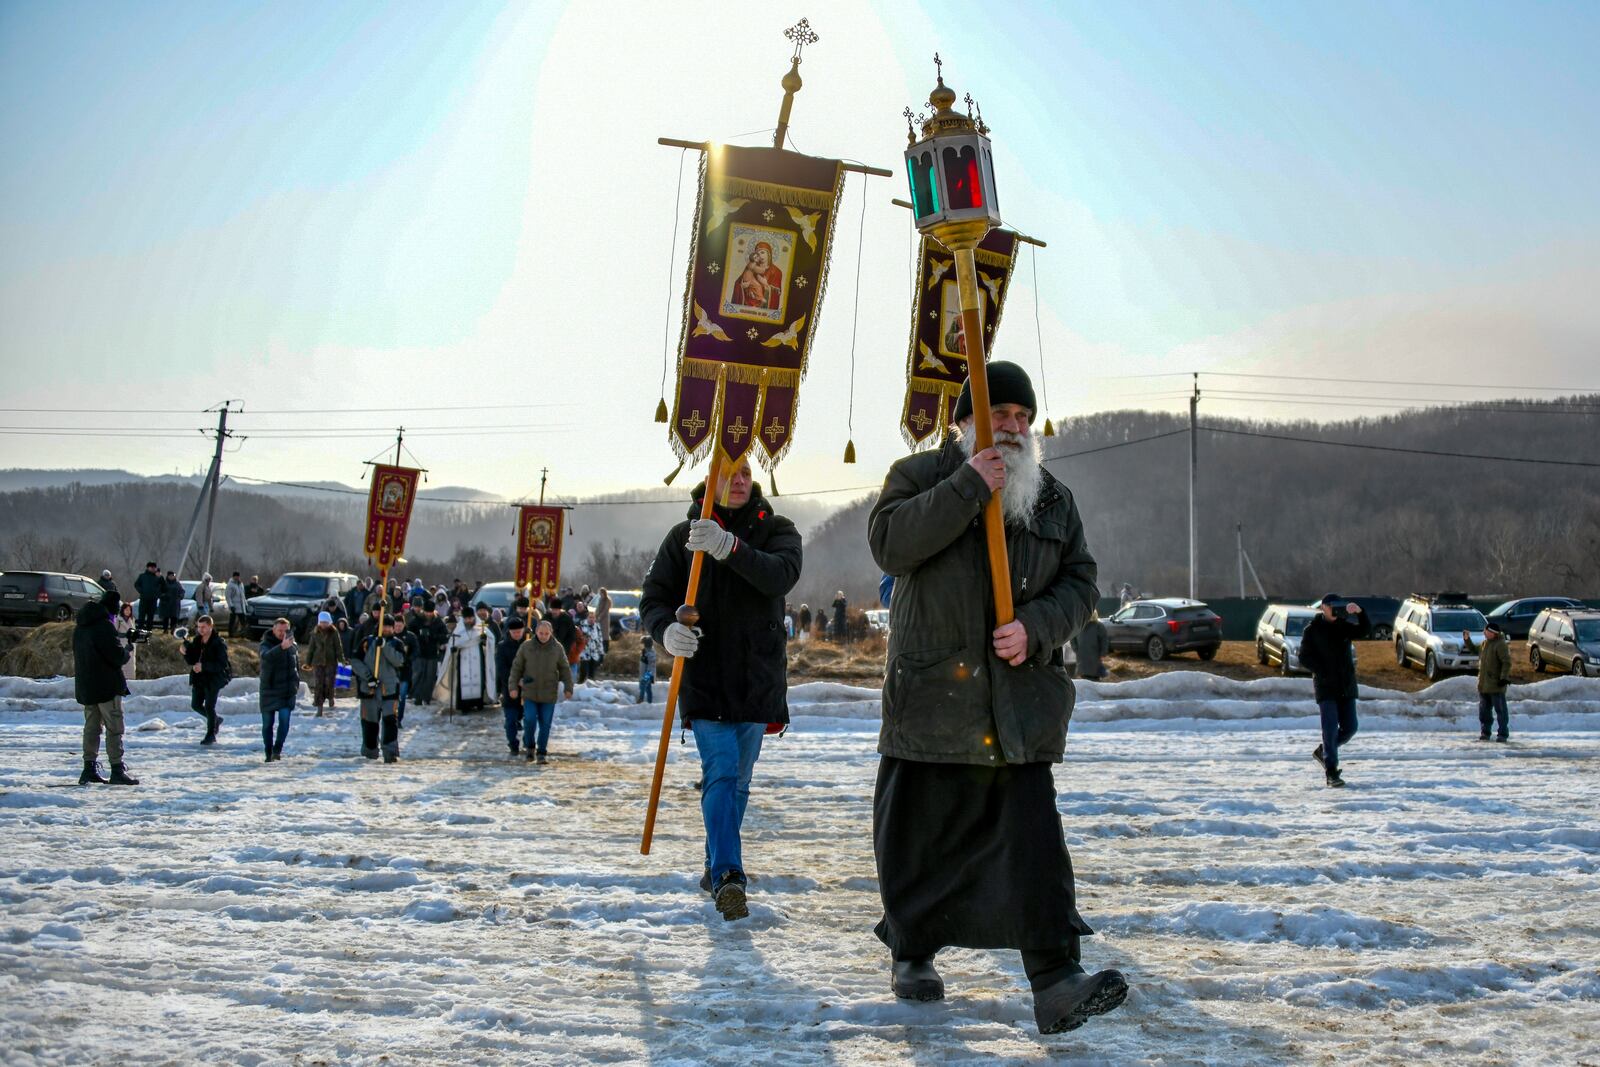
(44, 596)
(1515, 617)
(1379, 610)
(296, 597)
(1159, 628)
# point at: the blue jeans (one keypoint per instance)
(1490, 707)
(513, 715)
(728, 754)
(647, 689)
(1338, 726)
(282, 717)
(405, 691)
(537, 716)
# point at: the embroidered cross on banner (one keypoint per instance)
(694, 423)
(738, 430)
(774, 431)
(921, 421)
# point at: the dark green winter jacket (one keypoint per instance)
(946, 697)
(1494, 663)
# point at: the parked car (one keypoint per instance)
(1427, 633)
(1567, 639)
(219, 603)
(878, 621)
(44, 596)
(624, 609)
(1158, 628)
(1379, 610)
(1278, 636)
(296, 596)
(1515, 617)
(496, 595)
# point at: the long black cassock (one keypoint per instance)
(968, 842)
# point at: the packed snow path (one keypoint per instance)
(460, 907)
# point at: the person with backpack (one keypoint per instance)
(209, 673)
(280, 685)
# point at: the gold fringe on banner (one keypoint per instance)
(788, 195)
(741, 373)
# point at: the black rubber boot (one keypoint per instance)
(1335, 779)
(916, 979)
(1316, 754)
(91, 773)
(1075, 999)
(120, 775)
(391, 752)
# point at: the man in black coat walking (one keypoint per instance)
(505, 650)
(172, 601)
(209, 671)
(149, 586)
(280, 686)
(431, 634)
(966, 834)
(98, 654)
(1325, 650)
(735, 664)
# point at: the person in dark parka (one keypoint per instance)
(149, 587)
(1090, 648)
(280, 685)
(98, 654)
(209, 671)
(735, 680)
(172, 602)
(968, 841)
(510, 706)
(1325, 651)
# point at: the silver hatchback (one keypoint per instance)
(1567, 639)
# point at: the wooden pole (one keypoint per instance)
(689, 616)
(994, 523)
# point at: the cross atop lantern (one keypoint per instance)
(951, 170)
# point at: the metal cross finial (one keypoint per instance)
(801, 34)
(910, 130)
(968, 99)
(938, 65)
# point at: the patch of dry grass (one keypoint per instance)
(46, 652)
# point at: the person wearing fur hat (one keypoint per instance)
(968, 842)
(734, 689)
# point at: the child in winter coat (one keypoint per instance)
(647, 671)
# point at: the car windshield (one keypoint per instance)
(1453, 622)
(624, 600)
(1295, 626)
(1504, 609)
(496, 596)
(1587, 629)
(299, 585)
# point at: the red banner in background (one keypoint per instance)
(539, 530)
(394, 491)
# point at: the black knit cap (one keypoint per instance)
(1008, 384)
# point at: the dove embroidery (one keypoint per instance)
(807, 224)
(930, 360)
(721, 209)
(789, 338)
(991, 284)
(703, 326)
(936, 270)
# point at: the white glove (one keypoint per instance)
(680, 641)
(707, 535)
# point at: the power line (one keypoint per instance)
(1407, 451)
(295, 411)
(1512, 388)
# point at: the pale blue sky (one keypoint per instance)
(293, 202)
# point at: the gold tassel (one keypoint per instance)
(850, 451)
(1049, 427)
(675, 472)
(661, 410)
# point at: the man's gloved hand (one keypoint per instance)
(680, 641)
(707, 535)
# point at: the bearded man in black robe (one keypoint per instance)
(967, 838)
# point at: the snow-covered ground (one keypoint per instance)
(462, 908)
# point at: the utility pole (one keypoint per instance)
(1194, 461)
(208, 495)
(1238, 530)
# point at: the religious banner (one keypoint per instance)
(757, 270)
(394, 491)
(937, 363)
(539, 530)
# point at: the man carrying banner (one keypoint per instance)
(735, 665)
(967, 838)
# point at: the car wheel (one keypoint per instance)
(1209, 652)
(1283, 666)
(1382, 633)
(1400, 654)
(1261, 652)
(1156, 649)
(1579, 670)
(64, 613)
(1430, 667)
(1536, 659)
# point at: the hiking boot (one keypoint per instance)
(1503, 737)
(277, 754)
(514, 750)
(1074, 1000)
(1484, 736)
(543, 759)
(91, 773)
(705, 879)
(1334, 779)
(730, 897)
(1316, 754)
(369, 753)
(210, 738)
(269, 756)
(120, 775)
(916, 980)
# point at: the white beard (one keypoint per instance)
(1024, 471)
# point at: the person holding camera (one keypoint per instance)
(206, 653)
(280, 685)
(1325, 651)
(128, 630)
(98, 654)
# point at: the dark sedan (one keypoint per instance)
(1158, 628)
(1515, 617)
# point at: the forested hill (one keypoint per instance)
(1316, 517)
